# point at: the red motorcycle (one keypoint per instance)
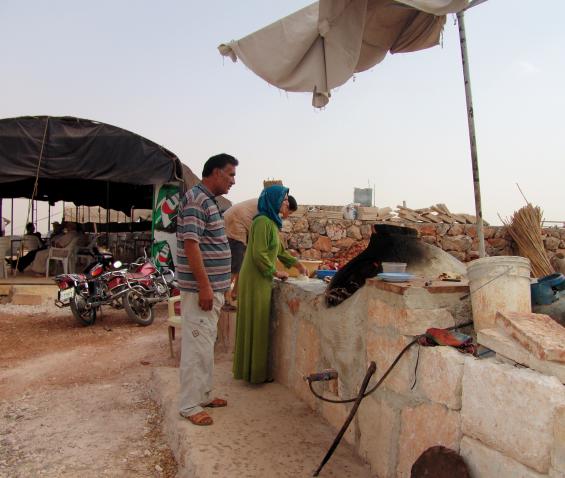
(146, 286)
(101, 283)
(136, 288)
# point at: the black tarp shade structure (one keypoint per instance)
(81, 161)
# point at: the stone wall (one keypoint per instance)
(318, 237)
(505, 421)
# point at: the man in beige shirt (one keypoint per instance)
(237, 220)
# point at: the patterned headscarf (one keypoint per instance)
(270, 202)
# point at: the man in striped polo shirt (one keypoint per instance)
(203, 267)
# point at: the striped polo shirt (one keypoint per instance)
(200, 220)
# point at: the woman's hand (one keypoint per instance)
(303, 271)
(282, 275)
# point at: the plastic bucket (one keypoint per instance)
(499, 283)
(394, 266)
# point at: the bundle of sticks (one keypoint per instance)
(525, 229)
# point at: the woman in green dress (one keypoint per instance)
(256, 285)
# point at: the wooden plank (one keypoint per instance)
(410, 216)
(470, 218)
(412, 213)
(443, 216)
(424, 210)
(446, 218)
(432, 218)
(443, 208)
(459, 218)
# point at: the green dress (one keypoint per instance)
(255, 285)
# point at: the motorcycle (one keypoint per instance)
(146, 286)
(101, 283)
(136, 288)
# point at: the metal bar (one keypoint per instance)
(370, 371)
(472, 135)
(108, 215)
(474, 3)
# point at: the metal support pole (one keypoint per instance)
(108, 215)
(472, 136)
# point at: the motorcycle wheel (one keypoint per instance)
(136, 308)
(83, 315)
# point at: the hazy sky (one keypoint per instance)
(153, 68)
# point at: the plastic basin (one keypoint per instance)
(321, 274)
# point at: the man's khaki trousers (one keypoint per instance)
(199, 331)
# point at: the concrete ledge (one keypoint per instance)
(26, 299)
(538, 333)
(510, 349)
(511, 410)
(264, 431)
(485, 462)
(5, 289)
(32, 294)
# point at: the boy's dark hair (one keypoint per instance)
(292, 204)
(218, 162)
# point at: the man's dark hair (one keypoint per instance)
(292, 204)
(218, 162)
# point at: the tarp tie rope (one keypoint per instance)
(34, 192)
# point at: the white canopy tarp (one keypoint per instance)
(321, 46)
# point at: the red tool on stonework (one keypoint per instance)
(452, 338)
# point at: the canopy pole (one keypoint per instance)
(108, 214)
(472, 136)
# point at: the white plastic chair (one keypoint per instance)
(65, 255)
(5, 245)
(174, 320)
(84, 254)
(30, 243)
(26, 244)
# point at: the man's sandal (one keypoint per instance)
(200, 418)
(217, 403)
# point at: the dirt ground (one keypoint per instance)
(74, 400)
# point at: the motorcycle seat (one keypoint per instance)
(138, 275)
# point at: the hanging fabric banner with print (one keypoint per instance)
(166, 208)
(161, 253)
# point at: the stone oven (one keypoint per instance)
(504, 411)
